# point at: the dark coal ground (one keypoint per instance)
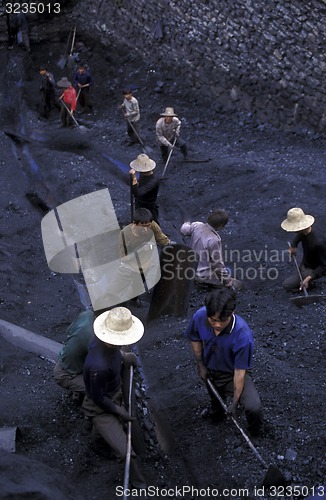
(256, 173)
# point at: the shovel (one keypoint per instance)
(128, 454)
(167, 161)
(63, 60)
(146, 149)
(273, 476)
(71, 58)
(81, 127)
(306, 298)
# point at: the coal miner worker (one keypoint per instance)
(83, 83)
(313, 242)
(223, 346)
(130, 107)
(68, 102)
(138, 237)
(168, 131)
(48, 99)
(145, 190)
(105, 379)
(206, 242)
(68, 372)
(134, 235)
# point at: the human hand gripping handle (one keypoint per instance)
(129, 359)
(202, 370)
(122, 412)
(232, 409)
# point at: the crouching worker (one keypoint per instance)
(68, 372)
(223, 346)
(313, 242)
(105, 381)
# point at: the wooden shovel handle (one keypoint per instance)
(218, 397)
(73, 41)
(131, 200)
(299, 272)
(128, 454)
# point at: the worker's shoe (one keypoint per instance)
(86, 426)
(77, 397)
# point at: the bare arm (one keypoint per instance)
(197, 348)
(238, 385)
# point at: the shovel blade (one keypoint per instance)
(71, 62)
(62, 62)
(171, 294)
(273, 477)
(306, 300)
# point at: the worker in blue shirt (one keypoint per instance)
(223, 346)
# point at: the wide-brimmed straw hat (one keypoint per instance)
(143, 164)
(168, 112)
(297, 220)
(118, 327)
(64, 82)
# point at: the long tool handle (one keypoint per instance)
(68, 42)
(73, 41)
(299, 272)
(170, 153)
(128, 454)
(131, 200)
(216, 394)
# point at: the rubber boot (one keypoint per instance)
(184, 151)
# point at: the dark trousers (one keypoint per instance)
(65, 117)
(292, 283)
(249, 399)
(153, 208)
(133, 130)
(179, 143)
(84, 100)
(109, 427)
(48, 102)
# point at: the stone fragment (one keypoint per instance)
(8, 439)
(290, 454)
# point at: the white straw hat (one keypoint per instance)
(168, 112)
(297, 220)
(118, 327)
(143, 164)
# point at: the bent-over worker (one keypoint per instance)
(223, 346)
(313, 241)
(104, 403)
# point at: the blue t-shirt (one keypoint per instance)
(228, 350)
